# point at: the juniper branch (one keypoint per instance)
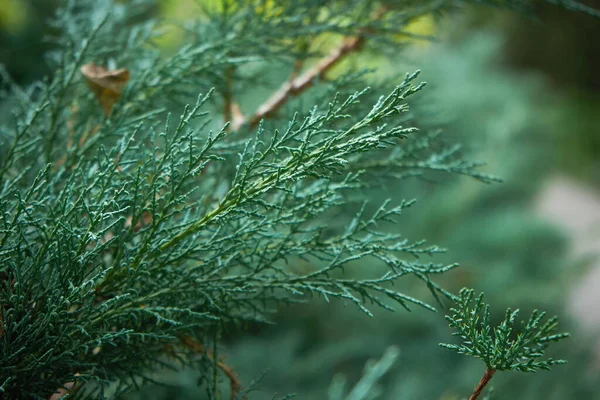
(500, 348)
(130, 244)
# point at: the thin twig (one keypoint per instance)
(234, 382)
(296, 84)
(485, 379)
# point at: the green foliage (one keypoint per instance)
(498, 347)
(122, 235)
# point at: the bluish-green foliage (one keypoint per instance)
(500, 347)
(124, 235)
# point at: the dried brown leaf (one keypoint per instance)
(106, 85)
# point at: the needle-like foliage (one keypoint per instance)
(135, 228)
(502, 348)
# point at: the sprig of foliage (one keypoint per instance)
(502, 348)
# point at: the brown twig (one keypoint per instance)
(296, 84)
(485, 379)
(234, 382)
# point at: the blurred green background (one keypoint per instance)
(523, 94)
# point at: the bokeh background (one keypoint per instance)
(522, 93)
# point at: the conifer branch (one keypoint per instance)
(501, 348)
(124, 247)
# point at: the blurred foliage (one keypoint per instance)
(22, 37)
(13, 15)
(563, 48)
